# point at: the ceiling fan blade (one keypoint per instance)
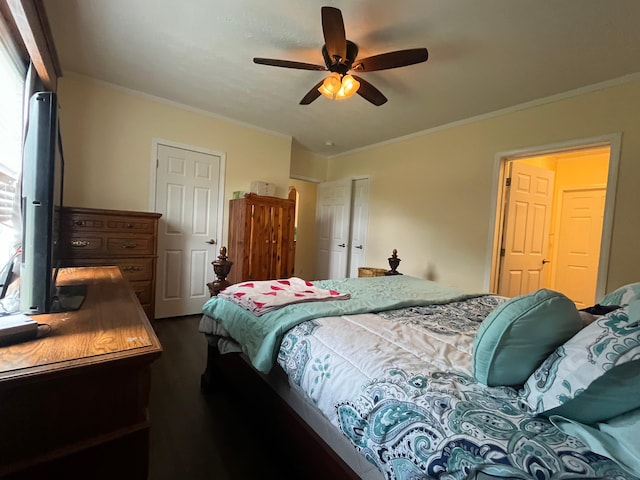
(288, 64)
(312, 94)
(333, 30)
(369, 92)
(385, 61)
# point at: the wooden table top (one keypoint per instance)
(110, 325)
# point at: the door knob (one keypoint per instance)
(211, 241)
(359, 246)
(342, 245)
(545, 261)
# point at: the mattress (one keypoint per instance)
(396, 387)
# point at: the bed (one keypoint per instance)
(410, 379)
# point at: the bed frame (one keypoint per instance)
(231, 371)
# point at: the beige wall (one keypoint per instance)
(107, 137)
(431, 195)
(580, 169)
(305, 265)
(305, 165)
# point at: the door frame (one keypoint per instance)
(496, 219)
(155, 142)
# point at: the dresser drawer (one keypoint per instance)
(130, 245)
(89, 245)
(136, 269)
(82, 221)
(133, 269)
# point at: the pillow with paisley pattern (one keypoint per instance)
(595, 375)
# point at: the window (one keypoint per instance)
(12, 81)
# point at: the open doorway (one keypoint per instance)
(553, 220)
(305, 228)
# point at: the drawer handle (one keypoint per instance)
(80, 223)
(132, 268)
(129, 225)
(129, 245)
(80, 243)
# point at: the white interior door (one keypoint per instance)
(576, 269)
(332, 228)
(188, 187)
(526, 230)
(359, 225)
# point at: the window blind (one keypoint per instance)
(12, 80)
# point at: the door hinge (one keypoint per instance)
(502, 252)
(508, 182)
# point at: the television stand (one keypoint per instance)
(75, 403)
(68, 298)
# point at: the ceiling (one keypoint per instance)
(483, 56)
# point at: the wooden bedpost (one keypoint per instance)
(221, 268)
(394, 261)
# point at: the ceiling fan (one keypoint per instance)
(340, 57)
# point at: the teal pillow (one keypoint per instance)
(616, 438)
(623, 295)
(517, 336)
(595, 375)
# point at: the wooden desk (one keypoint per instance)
(74, 404)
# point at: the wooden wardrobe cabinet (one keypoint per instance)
(261, 237)
(126, 239)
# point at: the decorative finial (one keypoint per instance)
(221, 267)
(394, 261)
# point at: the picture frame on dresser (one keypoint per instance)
(123, 238)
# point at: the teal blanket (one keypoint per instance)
(260, 337)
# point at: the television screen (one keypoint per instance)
(42, 193)
(41, 199)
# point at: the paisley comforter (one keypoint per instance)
(398, 384)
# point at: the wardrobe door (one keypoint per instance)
(285, 240)
(261, 248)
(279, 253)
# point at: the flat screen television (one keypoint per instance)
(42, 193)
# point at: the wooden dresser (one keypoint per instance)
(74, 403)
(125, 239)
(261, 237)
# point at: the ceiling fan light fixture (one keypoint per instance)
(349, 86)
(331, 86)
(337, 88)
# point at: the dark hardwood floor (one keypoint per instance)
(196, 436)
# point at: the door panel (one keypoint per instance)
(187, 193)
(582, 214)
(359, 225)
(526, 231)
(333, 219)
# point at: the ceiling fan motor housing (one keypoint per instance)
(343, 66)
